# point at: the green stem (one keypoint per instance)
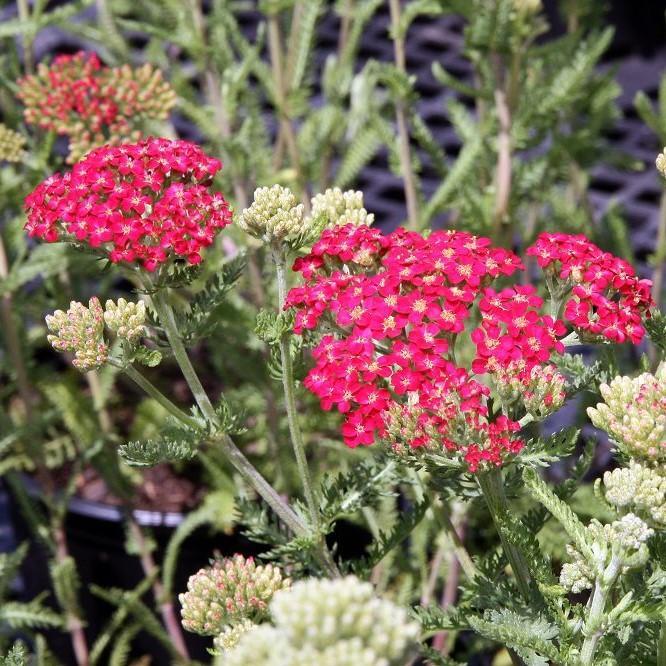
(24, 15)
(593, 629)
(459, 549)
(289, 387)
(661, 648)
(243, 466)
(492, 487)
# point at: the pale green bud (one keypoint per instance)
(341, 207)
(527, 6)
(274, 216)
(634, 414)
(125, 318)
(80, 330)
(11, 145)
(227, 592)
(661, 163)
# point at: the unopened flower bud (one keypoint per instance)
(80, 330)
(125, 318)
(634, 414)
(274, 216)
(227, 592)
(661, 163)
(341, 207)
(11, 145)
(630, 532)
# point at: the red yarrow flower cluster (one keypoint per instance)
(391, 309)
(147, 202)
(396, 303)
(606, 298)
(93, 105)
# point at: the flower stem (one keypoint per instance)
(593, 628)
(243, 466)
(463, 557)
(492, 487)
(404, 150)
(289, 386)
(661, 648)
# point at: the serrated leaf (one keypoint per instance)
(150, 452)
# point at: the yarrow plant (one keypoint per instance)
(145, 203)
(78, 97)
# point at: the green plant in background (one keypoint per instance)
(470, 550)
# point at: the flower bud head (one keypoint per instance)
(576, 575)
(125, 319)
(274, 216)
(634, 414)
(640, 487)
(230, 635)
(341, 207)
(630, 532)
(11, 145)
(227, 592)
(80, 330)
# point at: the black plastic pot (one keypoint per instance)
(96, 537)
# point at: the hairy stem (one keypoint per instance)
(404, 149)
(593, 629)
(454, 534)
(289, 387)
(504, 158)
(236, 457)
(492, 487)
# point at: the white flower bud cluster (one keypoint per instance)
(329, 623)
(630, 532)
(231, 635)
(274, 216)
(125, 319)
(661, 163)
(634, 414)
(341, 207)
(227, 592)
(12, 145)
(640, 487)
(576, 575)
(80, 330)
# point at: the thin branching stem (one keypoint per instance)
(404, 149)
(289, 387)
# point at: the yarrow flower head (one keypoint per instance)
(341, 207)
(147, 202)
(634, 414)
(639, 487)
(227, 592)
(11, 145)
(125, 319)
(80, 330)
(605, 298)
(274, 216)
(329, 623)
(93, 105)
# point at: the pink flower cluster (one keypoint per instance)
(143, 202)
(398, 302)
(391, 308)
(606, 298)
